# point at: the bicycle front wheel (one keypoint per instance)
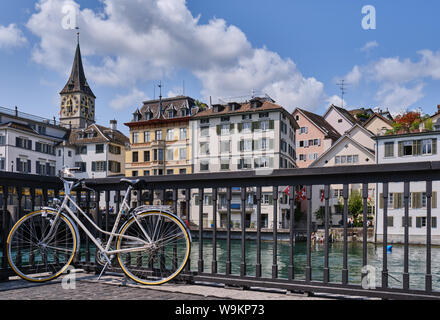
(37, 251)
(162, 259)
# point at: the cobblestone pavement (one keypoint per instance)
(112, 287)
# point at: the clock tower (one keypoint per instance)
(77, 110)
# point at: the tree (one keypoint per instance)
(355, 206)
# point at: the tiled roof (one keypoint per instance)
(346, 113)
(322, 123)
(103, 134)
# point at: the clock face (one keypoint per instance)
(69, 105)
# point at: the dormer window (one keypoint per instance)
(234, 106)
(256, 103)
(137, 116)
(184, 112)
(171, 113)
(218, 108)
(148, 115)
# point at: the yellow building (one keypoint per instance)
(160, 138)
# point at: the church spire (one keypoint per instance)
(77, 82)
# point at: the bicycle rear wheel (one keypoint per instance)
(164, 258)
(35, 252)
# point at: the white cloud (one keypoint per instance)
(398, 98)
(11, 36)
(369, 46)
(335, 100)
(131, 100)
(130, 41)
(354, 76)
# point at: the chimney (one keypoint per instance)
(113, 124)
(438, 107)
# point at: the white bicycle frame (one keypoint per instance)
(104, 250)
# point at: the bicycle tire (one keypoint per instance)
(165, 259)
(33, 260)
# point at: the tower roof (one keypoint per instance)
(77, 81)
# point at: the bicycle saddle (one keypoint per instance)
(133, 183)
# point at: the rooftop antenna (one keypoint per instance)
(77, 34)
(183, 88)
(342, 87)
(160, 98)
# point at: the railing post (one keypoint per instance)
(385, 236)
(406, 245)
(214, 231)
(228, 232)
(309, 234)
(345, 250)
(258, 264)
(201, 198)
(428, 276)
(275, 233)
(326, 234)
(364, 228)
(243, 232)
(5, 226)
(292, 233)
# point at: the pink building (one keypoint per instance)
(313, 138)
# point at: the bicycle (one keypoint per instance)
(152, 246)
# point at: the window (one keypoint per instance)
(134, 173)
(2, 164)
(114, 149)
(391, 200)
(204, 131)
(204, 121)
(224, 164)
(182, 171)
(183, 133)
(246, 145)
(355, 159)
(135, 137)
(390, 221)
(303, 130)
(114, 166)
(263, 162)
(340, 121)
(265, 125)
(182, 154)
(98, 166)
(427, 147)
(170, 113)
(99, 148)
(302, 157)
(264, 145)
(146, 156)
(420, 222)
(225, 129)
(225, 147)
(409, 221)
(170, 134)
(170, 171)
(389, 149)
(135, 156)
(146, 172)
(170, 154)
(407, 148)
(81, 150)
(204, 148)
(224, 119)
(247, 126)
(263, 115)
(69, 153)
(204, 165)
(147, 136)
(158, 155)
(246, 117)
(245, 163)
(81, 165)
(2, 140)
(158, 134)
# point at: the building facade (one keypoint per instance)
(161, 138)
(256, 135)
(412, 148)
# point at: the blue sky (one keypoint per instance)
(295, 51)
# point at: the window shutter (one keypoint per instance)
(418, 222)
(381, 201)
(417, 150)
(231, 127)
(240, 127)
(93, 166)
(209, 200)
(399, 201)
(105, 166)
(434, 222)
(434, 200)
(29, 166)
(271, 199)
(434, 146)
(219, 130)
(271, 124)
(29, 144)
(395, 201)
(400, 149)
(37, 167)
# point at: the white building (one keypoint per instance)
(28, 143)
(403, 148)
(256, 135)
